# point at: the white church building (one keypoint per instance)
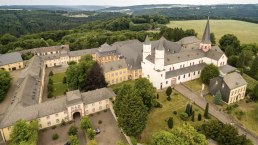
(166, 63)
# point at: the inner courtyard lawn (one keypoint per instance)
(194, 85)
(157, 118)
(59, 88)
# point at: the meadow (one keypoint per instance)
(245, 31)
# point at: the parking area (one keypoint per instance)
(110, 132)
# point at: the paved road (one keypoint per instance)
(223, 117)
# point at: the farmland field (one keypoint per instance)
(245, 31)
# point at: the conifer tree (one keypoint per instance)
(206, 113)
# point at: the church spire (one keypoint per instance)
(206, 35)
(205, 44)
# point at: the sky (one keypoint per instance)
(122, 2)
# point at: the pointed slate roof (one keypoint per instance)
(161, 43)
(206, 35)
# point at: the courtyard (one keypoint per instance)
(110, 132)
(45, 135)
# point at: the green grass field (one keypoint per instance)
(251, 81)
(245, 31)
(157, 118)
(59, 87)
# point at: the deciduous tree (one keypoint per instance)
(145, 90)
(5, 80)
(209, 72)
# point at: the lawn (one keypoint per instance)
(251, 82)
(157, 118)
(194, 85)
(117, 86)
(247, 115)
(245, 31)
(59, 87)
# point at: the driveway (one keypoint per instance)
(213, 110)
(110, 132)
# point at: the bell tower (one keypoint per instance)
(205, 44)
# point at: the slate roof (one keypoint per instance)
(234, 80)
(185, 70)
(10, 58)
(73, 97)
(97, 95)
(54, 106)
(189, 40)
(225, 69)
(82, 52)
(47, 49)
(114, 65)
(206, 35)
(131, 51)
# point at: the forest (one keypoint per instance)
(21, 22)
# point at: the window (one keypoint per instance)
(178, 77)
(47, 117)
(161, 75)
(57, 121)
(189, 75)
(93, 104)
(86, 106)
(39, 119)
(56, 115)
(184, 76)
(48, 123)
(194, 73)
(166, 82)
(100, 102)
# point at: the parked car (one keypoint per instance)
(67, 143)
(97, 131)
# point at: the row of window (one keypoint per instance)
(237, 91)
(100, 102)
(95, 109)
(116, 74)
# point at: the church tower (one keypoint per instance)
(146, 48)
(160, 55)
(205, 44)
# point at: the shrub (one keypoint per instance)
(133, 140)
(91, 134)
(169, 98)
(53, 127)
(63, 122)
(199, 117)
(100, 121)
(184, 116)
(64, 80)
(168, 91)
(157, 96)
(72, 130)
(175, 112)
(55, 136)
(239, 114)
(156, 104)
(193, 115)
(170, 123)
(85, 123)
(51, 73)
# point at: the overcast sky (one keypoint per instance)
(121, 2)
